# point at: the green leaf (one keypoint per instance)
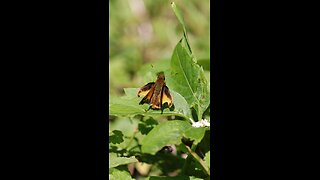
(179, 16)
(116, 137)
(177, 12)
(207, 159)
(205, 63)
(128, 127)
(115, 174)
(169, 132)
(115, 161)
(146, 126)
(124, 106)
(188, 79)
(129, 106)
(195, 134)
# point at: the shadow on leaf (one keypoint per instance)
(116, 138)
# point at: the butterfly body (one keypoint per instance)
(156, 93)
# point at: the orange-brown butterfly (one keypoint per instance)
(156, 93)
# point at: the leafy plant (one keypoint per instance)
(173, 142)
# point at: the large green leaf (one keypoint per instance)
(129, 106)
(115, 174)
(187, 77)
(169, 132)
(119, 106)
(195, 134)
(115, 161)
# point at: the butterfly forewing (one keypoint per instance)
(145, 89)
(147, 98)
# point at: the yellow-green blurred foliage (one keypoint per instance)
(146, 31)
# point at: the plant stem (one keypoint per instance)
(199, 115)
(202, 163)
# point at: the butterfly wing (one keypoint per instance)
(147, 92)
(166, 96)
(145, 89)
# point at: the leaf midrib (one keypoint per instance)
(187, 78)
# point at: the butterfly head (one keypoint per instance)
(161, 75)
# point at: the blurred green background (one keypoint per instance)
(144, 32)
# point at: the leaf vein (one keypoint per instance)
(184, 74)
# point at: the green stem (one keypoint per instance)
(202, 163)
(199, 115)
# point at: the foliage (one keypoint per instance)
(154, 144)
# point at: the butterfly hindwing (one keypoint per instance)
(166, 96)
